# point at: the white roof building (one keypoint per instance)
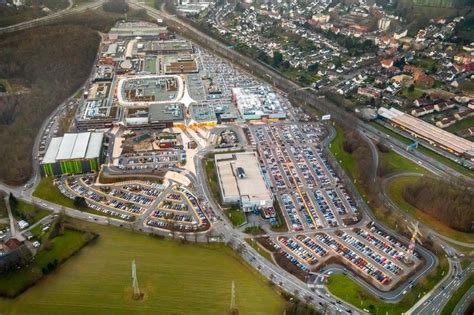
(74, 146)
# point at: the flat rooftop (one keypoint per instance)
(428, 131)
(165, 112)
(258, 101)
(74, 146)
(137, 29)
(251, 186)
(175, 45)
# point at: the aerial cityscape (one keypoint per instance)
(237, 157)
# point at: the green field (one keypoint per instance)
(457, 296)
(29, 212)
(237, 217)
(395, 190)
(150, 65)
(411, 95)
(61, 247)
(175, 278)
(345, 159)
(398, 163)
(262, 251)
(347, 162)
(47, 191)
(210, 167)
(350, 291)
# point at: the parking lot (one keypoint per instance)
(151, 160)
(322, 218)
(178, 210)
(309, 192)
(166, 206)
(369, 252)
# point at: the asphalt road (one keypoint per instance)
(223, 228)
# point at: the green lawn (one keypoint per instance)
(398, 163)
(411, 95)
(150, 65)
(30, 213)
(175, 278)
(62, 247)
(395, 190)
(347, 162)
(47, 191)
(350, 291)
(212, 180)
(262, 251)
(345, 159)
(457, 296)
(237, 217)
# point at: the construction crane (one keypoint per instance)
(415, 229)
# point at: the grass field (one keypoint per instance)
(62, 247)
(235, 216)
(212, 178)
(348, 290)
(457, 296)
(347, 162)
(411, 95)
(398, 163)
(175, 278)
(262, 251)
(395, 190)
(30, 213)
(344, 158)
(47, 191)
(150, 65)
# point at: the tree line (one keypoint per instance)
(54, 61)
(453, 205)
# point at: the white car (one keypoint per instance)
(36, 244)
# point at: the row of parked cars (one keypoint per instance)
(131, 197)
(324, 208)
(384, 246)
(153, 191)
(289, 207)
(70, 194)
(298, 250)
(312, 245)
(81, 188)
(164, 215)
(354, 259)
(197, 207)
(381, 260)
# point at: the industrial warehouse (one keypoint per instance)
(241, 181)
(434, 135)
(74, 153)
